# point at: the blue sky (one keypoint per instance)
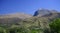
(27, 6)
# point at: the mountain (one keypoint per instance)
(51, 14)
(40, 19)
(41, 12)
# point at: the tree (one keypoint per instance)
(55, 26)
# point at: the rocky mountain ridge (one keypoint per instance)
(41, 12)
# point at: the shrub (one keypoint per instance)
(55, 26)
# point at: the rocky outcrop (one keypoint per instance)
(42, 12)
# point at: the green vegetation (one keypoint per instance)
(34, 25)
(18, 30)
(55, 26)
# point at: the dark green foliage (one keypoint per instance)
(1, 30)
(17, 30)
(55, 26)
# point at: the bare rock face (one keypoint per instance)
(42, 12)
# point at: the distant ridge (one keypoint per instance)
(16, 15)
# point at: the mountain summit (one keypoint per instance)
(41, 12)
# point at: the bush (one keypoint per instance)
(55, 26)
(17, 30)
